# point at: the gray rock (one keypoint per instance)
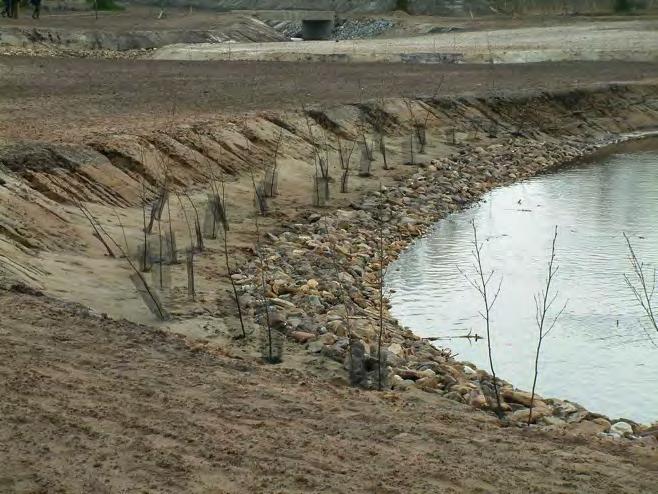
(622, 428)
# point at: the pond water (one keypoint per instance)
(599, 354)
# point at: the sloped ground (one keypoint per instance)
(125, 33)
(94, 405)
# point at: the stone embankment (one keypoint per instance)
(323, 281)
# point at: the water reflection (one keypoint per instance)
(598, 354)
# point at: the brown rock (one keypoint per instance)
(301, 336)
(586, 428)
(522, 397)
(409, 374)
(477, 399)
(428, 383)
(603, 423)
(537, 413)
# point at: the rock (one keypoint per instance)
(578, 416)
(462, 389)
(315, 346)
(427, 383)
(469, 371)
(649, 441)
(603, 423)
(396, 349)
(650, 431)
(333, 352)
(337, 327)
(448, 381)
(301, 336)
(564, 408)
(622, 428)
(409, 374)
(399, 383)
(477, 399)
(585, 428)
(282, 303)
(522, 397)
(537, 413)
(314, 301)
(328, 338)
(552, 421)
(427, 373)
(454, 396)
(312, 284)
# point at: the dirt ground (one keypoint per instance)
(65, 99)
(94, 404)
(107, 406)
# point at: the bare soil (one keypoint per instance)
(95, 405)
(66, 99)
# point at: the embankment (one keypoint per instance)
(321, 264)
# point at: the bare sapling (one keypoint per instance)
(189, 265)
(417, 127)
(381, 141)
(187, 221)
(170, 235)
(379, 126)
(272, 352)
(197, 223)
(145, 254)
(150, 298)
(365, 160)
(544, 301)
(345, 155)
(356, 365)
(642, 284)
(270, 183)
(93, 222)
(482, 283)
(95, 226)
(189, 259)
(381, 260)
(321, 179)
(408, 150)
(157, 208)
(227, 261)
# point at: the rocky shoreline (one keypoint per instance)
(323, 284)
(322, 273)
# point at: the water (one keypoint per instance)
(598, 354)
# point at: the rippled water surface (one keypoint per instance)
(598, 353)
